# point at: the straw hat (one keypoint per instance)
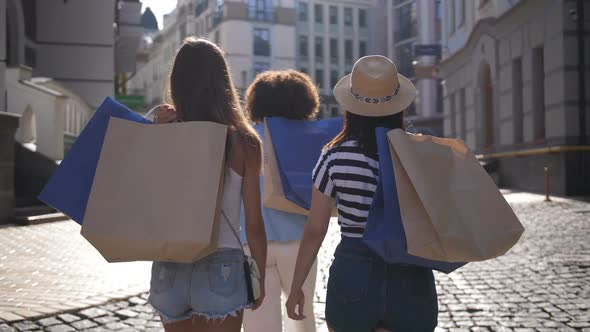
(374, 88)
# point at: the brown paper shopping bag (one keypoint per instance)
(156, 192)
(273, 195)
(451, 209)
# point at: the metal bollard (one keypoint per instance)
(547, 172)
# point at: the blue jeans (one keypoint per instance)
(365, 293)
(213, 287)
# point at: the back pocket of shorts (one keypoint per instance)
(224, 277)
(163, 276)
(349, 278)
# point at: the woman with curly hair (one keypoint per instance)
(288, 94)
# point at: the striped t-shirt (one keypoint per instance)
(346, 173)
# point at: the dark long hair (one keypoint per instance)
(201, 89)
(362, 129)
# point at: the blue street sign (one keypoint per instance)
(429, 49)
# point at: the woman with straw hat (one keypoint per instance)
(364, 292)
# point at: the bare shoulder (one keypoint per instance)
(246, 152)
(250, 147)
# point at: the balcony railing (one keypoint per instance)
(235, 11)
(261, 14)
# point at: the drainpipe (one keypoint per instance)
(582, 71)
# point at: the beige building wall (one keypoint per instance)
(500, 43)
(531, 51)
(82, 59)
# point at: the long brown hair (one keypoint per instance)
(362, 129)
(201, 89)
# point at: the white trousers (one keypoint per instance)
(280, 266)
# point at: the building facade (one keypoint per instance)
(255, 35)
(47, 58)
(400, 26)
(330, 37)
(57, 64)
(320, 38)
(512, 89)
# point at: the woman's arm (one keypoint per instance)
(313, 236)
(255, 232)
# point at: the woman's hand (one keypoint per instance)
(165, 114)
(258, 302)
(295, 305)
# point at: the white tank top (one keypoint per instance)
(231, 202)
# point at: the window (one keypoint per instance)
(182, 31)
(260, 67)
(319, 78)
(462, 5)
(452, 112)
(333, 15)
(261, 10)
(303, 70)
(303, 48)
(538, 93)
(334, 49)
(348, 17)
(451, 16)
(319, 47)
(463, 113)
(318, 12)
(362, 18)
(334, 111)
(302, 10)
(438, 10)
(217, 37)
(334, 77)
(439, 101)
(406, 25)
(404, 54)
(517, 104)
(348, 56)
(261, 42)
(362, 48)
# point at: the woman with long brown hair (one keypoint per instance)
(211, 294)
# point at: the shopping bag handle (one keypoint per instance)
(149, 113)
(154, 109)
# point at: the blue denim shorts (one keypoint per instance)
(365, 293)
(213, 287)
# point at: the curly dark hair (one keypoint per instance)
(285, 93)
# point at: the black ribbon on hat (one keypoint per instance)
(375, 100)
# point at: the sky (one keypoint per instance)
(159, 7)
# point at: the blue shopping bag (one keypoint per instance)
(385, 232)
(69, 186)
(298, 145)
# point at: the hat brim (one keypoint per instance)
(397, 104)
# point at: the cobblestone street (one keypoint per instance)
(52, 280)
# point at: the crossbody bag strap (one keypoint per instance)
(233, 230)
